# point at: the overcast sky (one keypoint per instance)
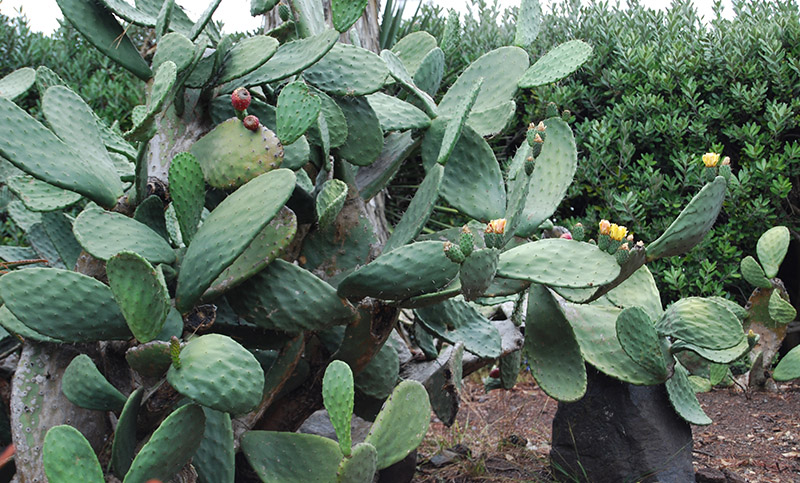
(43, 14)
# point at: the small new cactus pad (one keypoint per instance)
(268, 453)
(292, 57)
(265, 247)
(229, 230)
(102, 30)
(404, 272)
(123, 448)
(397, 115)
(529, 21)
(187, 190)
(360, 466)
(246, 56)
(268, 299)
(557, 64)
(692, 224)
(477, 272)
(84, 386)
(297, 110)
(17, 83)
(418, 211)
(231, 155)
(40, 196)
(553, 352)
(214, 459)
(68, 457)
(789, 367)
(364, 135)
(456, 321)
(170, 446)
(413, 48)
(401, 424)
(140, 292)
(701, 322)
(337, 395)
(683, 399)
(330, 201)
(218, 373)
(540, 262)
(332, 75)
(103, 234)
(639, 340)
(780, 310)
(472, 180)
(771, 249)
(753, 273)
(97, 318)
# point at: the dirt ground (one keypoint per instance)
(504, 436)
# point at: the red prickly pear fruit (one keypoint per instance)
(566, 236)
(240, 99)
(251, 123)
(495, 373)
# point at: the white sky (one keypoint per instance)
(43, 14)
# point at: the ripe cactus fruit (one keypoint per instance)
(251, 122)
(240, 99)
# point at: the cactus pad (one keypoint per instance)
(456, 321)
(780, 310)
(397, 115)
(150, 359)
(333, 76)
(428, 76)
(174, 47)
(292, 57)
(297, 110)
(753, 273)
(529, 21)
(84, 386)
(68, 457)
(344, 13)
(701, 322)
(17, 83)
(104, 234)
(789, 367)
(40, 196)
(187, 189)
(214, 459)
(268, 453)
(246, 56)
(360, 466)
(413, 48)
(638, 290)
(13, 325)
(418, 211)
(683, 399)
(141, 292)
(380, 375)
(123, 447)
(456, 124)
(771, 249)
(364, 135)
(337, 394)
(557, 64)
(638, 338)
(477, 272)
(401, 75)
(330, 201)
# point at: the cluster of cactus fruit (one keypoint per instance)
(250, 226)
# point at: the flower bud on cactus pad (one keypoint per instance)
(454, 253)
(467, 241)
(529, 165)
(494, 233)
(578, 233)
(622, 254)
(240, 99)
(251, 123)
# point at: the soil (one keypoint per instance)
(503, 436)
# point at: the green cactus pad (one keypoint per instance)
(724, 356)
(13, 325)
(397, 115)
(683, 399)
(771, 249)
(150, 359)
(477, 272)
(539, 262)
(789, 367)
(595, 329)
(268, 453)
(46, 78)
(402, 423)
(337, 395)
(501, 69)
(150, 213)
(123, 447)
(418, 211)
(553, 351)
(104, 234)
(557, 64)
(17, 83)
(246, 56)
(187, 189)
(529, 21)
(503, 287)
(472, 180)
(509, 369)
(97, 318)
(428, 76)
(493, 120)
(404, 272)
(780, 310)
(359, 467)
(265, 247)
(218, 373)
(398, 71)
(231, 155)
(51, 160)
(266, 299)
(456, 124)
(753, 273)
(638, 338)
(344, 13)
(364, 135)
(413, 48)
(552, 175)
(456, 321)
(639, 290)
(86, 387)
(292, 57)
(297, 111)
(141, 292)
(518, 184)
(102, 30)
(444, 385)
(691, 226)
(130, 13)
(229, 230)
(332, 75)
(260, 7)
(379, 376)
(161, 91)
(174, 47)
(170, 446)
(40, 196)
(214, 459)
(330, 201)
(45, 248)
(68, 457)
(701, 322)
(396, 149)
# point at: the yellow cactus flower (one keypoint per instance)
(617, 232)
(710, 159)
(605, 226)
(496, 226)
